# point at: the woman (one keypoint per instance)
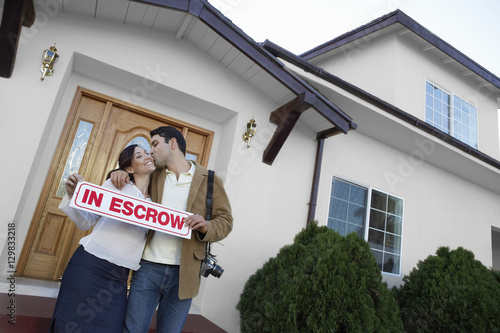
(93, 293)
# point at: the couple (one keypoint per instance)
(93, 293)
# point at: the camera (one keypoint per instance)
(209, 266)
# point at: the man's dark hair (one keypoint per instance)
(169, 132)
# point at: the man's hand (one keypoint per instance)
(71, 183)
(196, 222)
(119, 178)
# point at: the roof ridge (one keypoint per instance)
(398, 16)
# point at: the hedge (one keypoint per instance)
(323, 282)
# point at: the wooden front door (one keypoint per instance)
(97, 129)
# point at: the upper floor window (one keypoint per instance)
(351, 205)
(451, 114)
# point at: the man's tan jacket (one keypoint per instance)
(221, 224)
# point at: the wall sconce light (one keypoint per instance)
(250, 132)
(49, 58)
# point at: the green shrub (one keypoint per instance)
(450, 292)
(323, 282)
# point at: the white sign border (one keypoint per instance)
(185, 231)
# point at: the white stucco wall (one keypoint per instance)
(394, 67)
(441, 209)
(368, 63)
(269, 202)
(415, 66)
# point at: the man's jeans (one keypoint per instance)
(155, 284)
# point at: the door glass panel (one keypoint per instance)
(190, 157)
(141, 142)
(76, 154)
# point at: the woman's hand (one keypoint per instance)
(71, 183)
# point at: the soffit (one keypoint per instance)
(184, 26)
(423, 44)
(306, 70)
(414, 142)
(445, 58)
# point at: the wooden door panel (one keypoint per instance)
(196, 143)
(51, 234)
(121, 128)
(52, 237)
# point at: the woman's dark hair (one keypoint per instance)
(125, 160)
(169, 132)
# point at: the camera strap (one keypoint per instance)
(210, 190)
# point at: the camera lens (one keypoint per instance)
(217, 271)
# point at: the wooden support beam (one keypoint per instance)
(285, 117)
(15, 14)
(300, 103)
(29, 14)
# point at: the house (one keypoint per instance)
(352, 134)
(430, 115)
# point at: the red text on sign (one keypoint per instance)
(149, 214)
(93, 198)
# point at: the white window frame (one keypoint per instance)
(451, 130)
(368, 207)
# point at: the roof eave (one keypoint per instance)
(374, 100)
(395, 17)
(210, 16)
(16, 14)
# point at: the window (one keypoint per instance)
(76, 154)
(141, 142)
(351, 205)
(465, 121)
(461, 123)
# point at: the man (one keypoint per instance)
(169, 276)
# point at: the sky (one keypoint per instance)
(472, 27)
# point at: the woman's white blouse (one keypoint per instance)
(117, 242)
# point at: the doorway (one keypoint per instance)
(97, 128)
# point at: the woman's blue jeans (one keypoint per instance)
(155, 285)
